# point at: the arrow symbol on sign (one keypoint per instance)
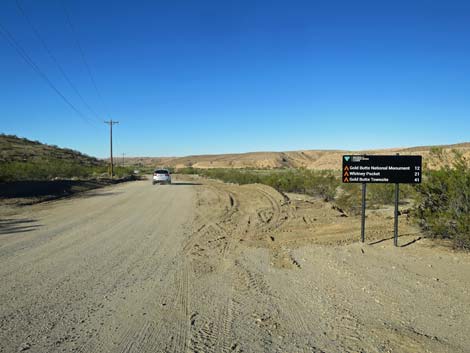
(346, 180)
(346, 158)
(346, 174)
(346, 168)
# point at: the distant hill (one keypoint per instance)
(310, 159)
(16, 149)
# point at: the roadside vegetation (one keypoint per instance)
(443, 200)
(316, 183)
(323, 184)
(55, 169)
(17, 149)
(440, 205)
(22, 160)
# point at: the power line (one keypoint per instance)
(54, 59)
(20, 50)
(82, 53)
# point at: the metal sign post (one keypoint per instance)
(395, 232)
(363, 213)
(379, 169)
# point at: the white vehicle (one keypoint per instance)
(161, 176)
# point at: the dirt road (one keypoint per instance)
(202, 266)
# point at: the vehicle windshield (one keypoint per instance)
(161, 171)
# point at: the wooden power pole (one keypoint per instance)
(111, 123)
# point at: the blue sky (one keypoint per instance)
(196, 77)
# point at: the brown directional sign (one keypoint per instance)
(393, 169)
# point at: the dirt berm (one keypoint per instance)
(35, 191)
(201, 266)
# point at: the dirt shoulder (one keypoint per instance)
(22, 193)
(296, 263)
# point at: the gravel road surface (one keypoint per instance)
(201, 266)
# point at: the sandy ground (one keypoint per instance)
(202, 266)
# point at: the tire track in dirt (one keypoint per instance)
(254, 319)
(345, 331)
(141, 333)
(141, 340)
(216, 334)
(182, 310)
(210, 332)
(271, 217)
(150, 335)
(250, 287)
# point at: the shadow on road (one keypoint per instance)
(21, 225)
(54, 188)
(184, 183)
(98, 193)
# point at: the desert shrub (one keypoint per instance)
(53, 168)
(349, 198)
(322, 184)
(443, 201)
(119, 171)
(187, 170)
(230, 175)
(381, 194)
(285, 181)
(325, 184)
(408, 192)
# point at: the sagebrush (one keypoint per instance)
(443, 200)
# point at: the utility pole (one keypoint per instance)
(111, 123)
